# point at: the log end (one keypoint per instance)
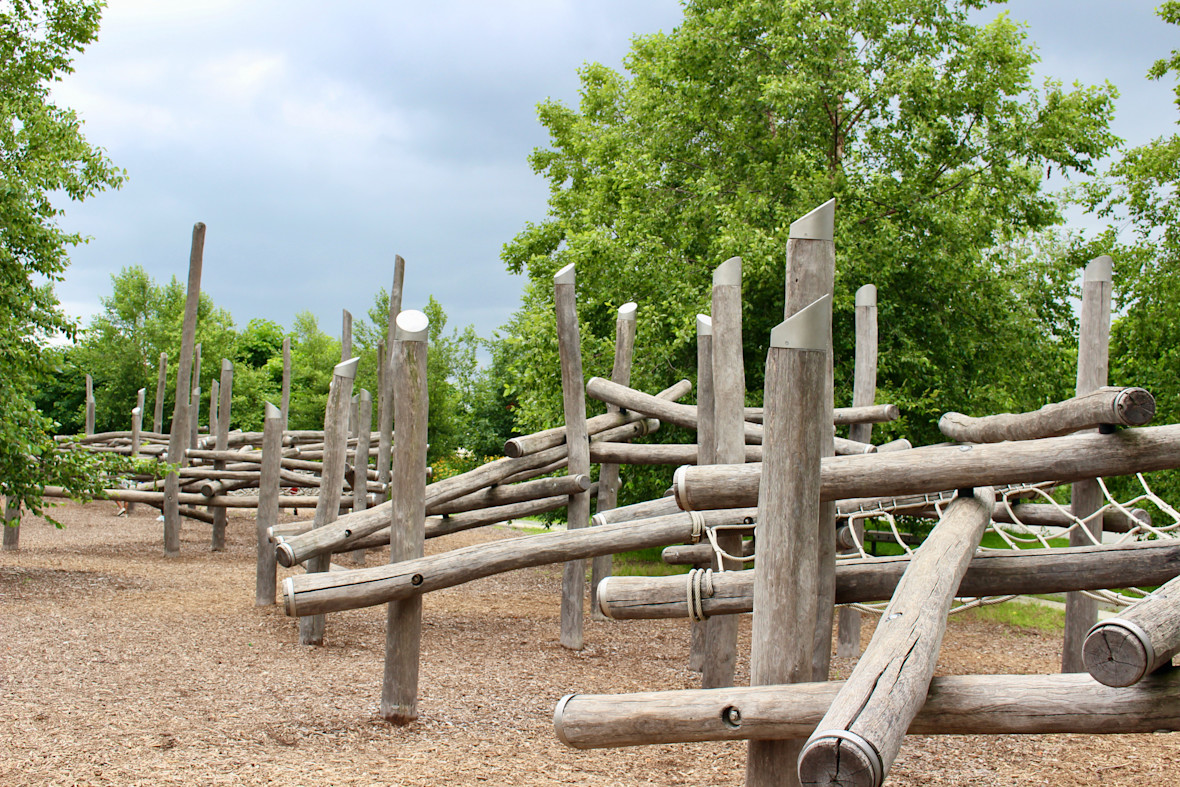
(289, 597)
(1117, 653)
(840, 757)
(603, 596)
(513, 449)
(1134, 407)
(680, 489)
(558, 721)
(284, 554)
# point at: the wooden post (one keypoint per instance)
(285, 402)
(89, 405)
(811, 274)
(706, 455)
(608, 474)
(219, 424)
(403, 631)
(729, 401)
(161, 379)
(786, 583)
(267, 515)
(384, 396)
(1093, 352)
(136, 430)
(11, 539)
(573, 390)
(311, 628)
(860, 735)
(1122, 650)
(360, 495)
(864, 393)
(179, 433)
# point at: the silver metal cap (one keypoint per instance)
(867, 295)
(819, 224)
(810, 328)
(1099, 269)
(704, 325)
(565, 275)
(346, 369)
(412, 326)
(728, 273)
(627, 310)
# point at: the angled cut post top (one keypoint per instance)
(819, 224)
(412, 326)
(272, 411)
(627, 310)
(867, 295)
(346, 369)
(807, 329)
(704, 325)
(1099, 269)
(728, 273)
(565, 275)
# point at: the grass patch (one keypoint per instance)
(1021, 614)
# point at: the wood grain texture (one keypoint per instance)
(385, 397)
(158, 405)
(11, 539)
(954, 705)
(225, 389)
(267, 516)
(1122, 650)
(1106, 405)
(706, 455)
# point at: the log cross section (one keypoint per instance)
(1121, 651)
(861, 733)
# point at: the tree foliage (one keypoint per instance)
(926, 129)
(44, 162)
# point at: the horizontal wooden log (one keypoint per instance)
(312, 594)
(223, 501)
(102, 437)
(955, 705)
(1021, 572)
(1107, 405)
(505, 494)
(550, 438)
(936, 468)
(845, 416)
(655, 453)
(661, 506)
(702, 554)
(1123, 650)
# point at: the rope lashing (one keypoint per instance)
(700, 586)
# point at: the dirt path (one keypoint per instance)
(121, 667)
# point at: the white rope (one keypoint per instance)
(700, 586)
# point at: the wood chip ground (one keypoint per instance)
(121, 667)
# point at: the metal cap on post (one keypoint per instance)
(412, 326)
(867, 295)
(819, 224)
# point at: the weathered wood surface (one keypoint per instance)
(1027, 571)
(1107, 405)
(1081, 612)
(730, 432)
(608, 474)
(701, 554)
(311, 628)
(225, 387)
(285, 396)
(864, 393)
(364, 418)
(706, 455)
(661, 506)
(158, 405)
(385, 399)
(658, 453)
(88, 426)
(569, 346)
(1122, 650)
(403, 629)
(364, 587)
(864, 415)
(954, 705)
(180, 414)
(267, 515)
(786, 591)
(500, 494)
(938, 468)
(550, 438)
(888, 686)
(194, 415)
(11, 527)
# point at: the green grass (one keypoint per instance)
(1021, 614)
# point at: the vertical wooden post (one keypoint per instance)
(360, 484)
(601, 567)
(346, 335)
(729, 400)
(787, 579)
(285, 402)
(179, 433)
(706, 455)
(811, 274)
(573, 392)
(136, 431)
(864, 392)
(220, 425)
(268, 506)
(1086, 496)
(385, 395)
(311, 627)
(89, 427)
(403, 632)
(161, 379)
(194, 415)
(11, 541)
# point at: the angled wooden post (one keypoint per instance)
(811, 273)
(268, 506)
(360, 483)
(729, 401)
(136, 430)
(89, 427)
(179, 433)
(573, 390)
(11, 540)
(407, 518)
(787, 578)
(864, 392)
(219, 424)
(311, 628)
(706, 455)
(285, 401)
(161, 380)
(1081, 612)
(608, 474)
(385, 395)
(194, 413)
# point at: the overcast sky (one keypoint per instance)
(316, 140)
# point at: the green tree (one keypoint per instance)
(926, 129)
(44, 162)
(314, 354)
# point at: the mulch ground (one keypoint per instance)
(119, 666)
